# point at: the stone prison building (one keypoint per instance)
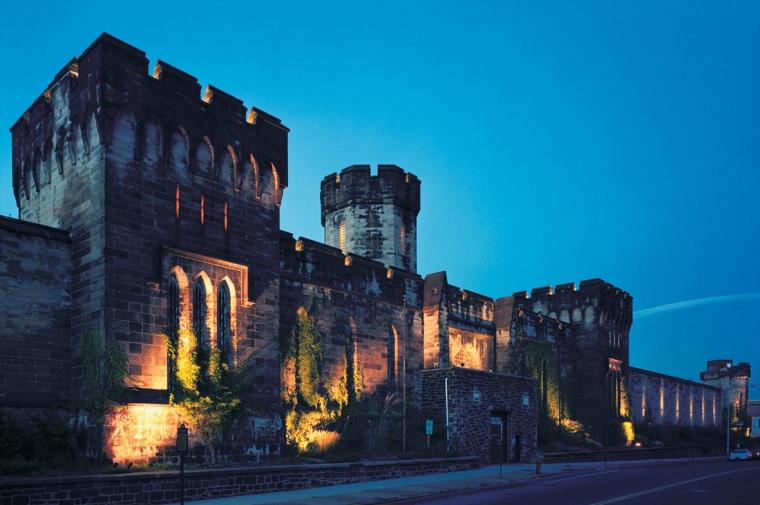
(147, 206)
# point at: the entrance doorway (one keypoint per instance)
(516, 449)
(498, 437)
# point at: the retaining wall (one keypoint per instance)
(634, 454)
(163, 487)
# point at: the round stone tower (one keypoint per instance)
(373, 216)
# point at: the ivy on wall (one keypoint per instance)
(206, 389)
(102, 393)
(314, 404)
(536, 358)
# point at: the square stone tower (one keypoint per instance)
(165, 193)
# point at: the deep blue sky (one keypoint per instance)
(555, 141)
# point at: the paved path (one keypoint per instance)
(425, 485)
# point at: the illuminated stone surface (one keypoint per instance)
(143, 180)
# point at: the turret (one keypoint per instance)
(373, 216)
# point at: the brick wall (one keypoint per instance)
(163, 487)
(35, 296)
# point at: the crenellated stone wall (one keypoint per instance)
(373, 216)
(359, 304)
(146, 174)
(670, 401)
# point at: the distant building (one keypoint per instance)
(754, 415)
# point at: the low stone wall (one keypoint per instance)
(163, 487)
(633, 454)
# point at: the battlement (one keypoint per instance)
(311, 262)
(720, 368)
(595, 301)
(587, 287)
(355, 185)
(111, 78)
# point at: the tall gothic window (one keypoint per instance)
(172, 323)
(172, 306)
(199, 311)
(223, 321)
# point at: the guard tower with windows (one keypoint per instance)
(373, 216)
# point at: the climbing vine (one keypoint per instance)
(102, 394)
(309, 360)
(314, 405)
(206, 389)
(535, 358)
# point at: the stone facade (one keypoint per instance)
(364, 309)
(35, 293)
(669, 401)
(479, 401)
(730, 378)
(146, 208)
(373, 216)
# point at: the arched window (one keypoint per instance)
(199, 311)
(223, 319)
(172, 306)
(172, 325)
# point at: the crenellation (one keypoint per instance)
(165, 213)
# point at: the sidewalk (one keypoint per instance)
(425, 485)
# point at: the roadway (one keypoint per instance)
(703, 483)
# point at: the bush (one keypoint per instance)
(39, 443)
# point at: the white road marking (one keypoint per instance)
(634, 495)
(581, 476)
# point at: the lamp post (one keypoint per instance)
(403, 378)
(728, 421)
(182, 450)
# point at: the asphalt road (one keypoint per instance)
(713, 483)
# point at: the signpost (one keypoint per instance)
(182, 450)
(428, 430)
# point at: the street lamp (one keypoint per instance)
(182, 450)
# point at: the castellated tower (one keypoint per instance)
(373, 216)
(601, 315)
(171, 200)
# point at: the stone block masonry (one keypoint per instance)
(670, 401)
(475, 397)
(163, 487)
(138, 167)
(35, 287)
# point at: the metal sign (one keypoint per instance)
(429, 427)
(182, 439)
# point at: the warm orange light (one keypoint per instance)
(176, 201)
(225, 216)
(203, 208)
